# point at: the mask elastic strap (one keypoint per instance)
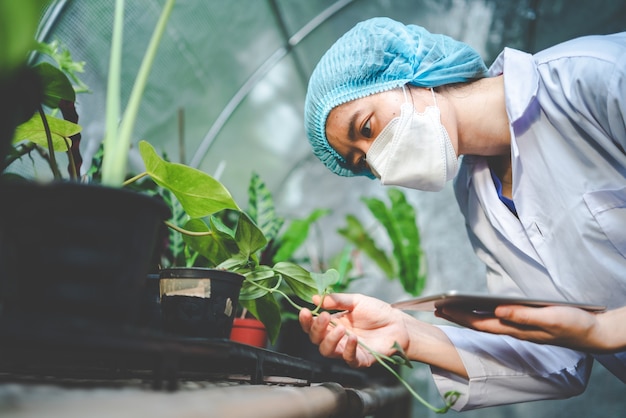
(434, 98)
(406, 98)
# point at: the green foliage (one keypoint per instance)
(63, 58)
(407, 262)
(18, 24)
(56, 88)
(199, 194)
(228, 238)
(261, 208)
(33, 130)
(356, 233)
(295, 235)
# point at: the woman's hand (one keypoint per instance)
(557, 325)
(361, 318)
(378, 326)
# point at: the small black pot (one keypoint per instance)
(207, 311)
(75, 250)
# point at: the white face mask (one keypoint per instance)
(414, 150)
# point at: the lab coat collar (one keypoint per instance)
(521, 80)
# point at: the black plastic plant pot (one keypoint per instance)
(76, 250)
(199, 302)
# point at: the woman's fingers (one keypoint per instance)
(306, 319)
(328, 347)
(350, 351)
(319, 328)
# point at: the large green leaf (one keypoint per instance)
(296, 234)
(200, 194)
(57, 86)
(248, 236)
(355, 232)
(33, 130)
(298, 279)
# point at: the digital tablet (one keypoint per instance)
(482, 303)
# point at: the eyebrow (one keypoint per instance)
(351, 128)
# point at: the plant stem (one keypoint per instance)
(382, 359)
(70, 157)
(46, 127)
(187, 232)
(134, 179)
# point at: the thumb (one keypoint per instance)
(336, 301)
(517, 314)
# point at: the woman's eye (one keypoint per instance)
(366, 131)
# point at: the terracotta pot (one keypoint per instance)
(249, 331)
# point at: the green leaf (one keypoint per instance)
(356, 233)
(200, 194)
(33, 130)
(296, 234)
(237, 263)
(261, 208)
(176, 244)
(217, 247)
(248, 236)
(325, 281)
(57, 87)
(299, 280)
(266, 310)
(413, 261)
(257, 283)
(342, 262)
(62, 56)
(400, 222)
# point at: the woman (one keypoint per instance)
(542, 186)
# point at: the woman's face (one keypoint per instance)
(352, 127)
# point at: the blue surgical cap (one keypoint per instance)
(377, 55)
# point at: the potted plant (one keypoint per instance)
(70, 248)
(230, 238)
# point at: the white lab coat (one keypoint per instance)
(566, 106)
